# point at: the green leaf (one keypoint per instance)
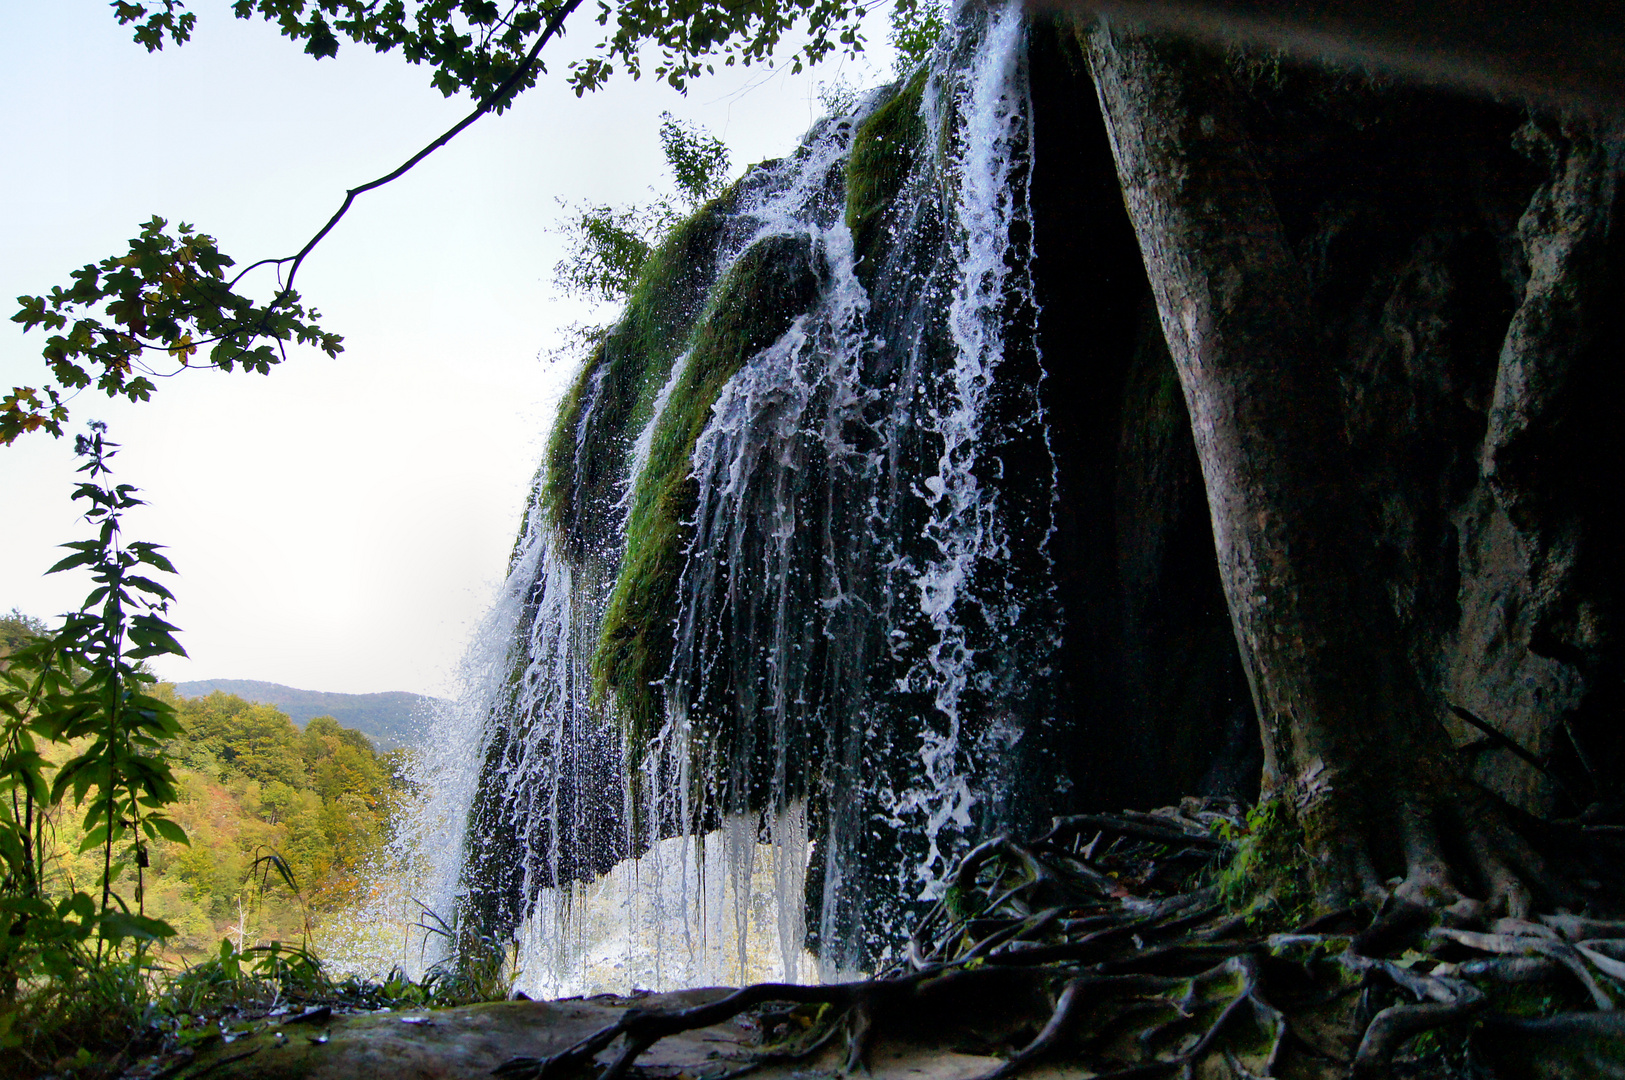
(169, 830)
(149, 554)
(276, 862)
(78, 903)
(147, 585)
(83, 558)
(118, 925)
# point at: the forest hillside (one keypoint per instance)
(388, 719)
(263, 804)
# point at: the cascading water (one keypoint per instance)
(968, 523)
(782, 619)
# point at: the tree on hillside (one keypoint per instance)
(342, 762)
(320, 798)
(258, 741)
(17, 630)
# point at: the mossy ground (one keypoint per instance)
(1268, 875)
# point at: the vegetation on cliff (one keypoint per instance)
(883, 153)
(1349, 374)
(772, 282)
(614, 394)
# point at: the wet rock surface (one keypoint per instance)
(475, 1040)
(471, 1041)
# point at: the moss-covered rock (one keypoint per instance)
(770, 284)
(884, 150)
(614, 393)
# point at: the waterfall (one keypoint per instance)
(783, 615)
(967, 524)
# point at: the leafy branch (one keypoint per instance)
(916, 27)
(169, 295)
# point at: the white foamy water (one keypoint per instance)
(690, 912)
(966, 523)
(847, 580)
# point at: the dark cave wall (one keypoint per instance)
(1417, 216)
(1466, 281)
(1157, 701)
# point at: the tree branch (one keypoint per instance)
(496, 100)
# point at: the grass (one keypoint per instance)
(100, 1020)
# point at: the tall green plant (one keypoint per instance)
(81, 691)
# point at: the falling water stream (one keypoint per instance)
(864, 611)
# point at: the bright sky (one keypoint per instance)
(339, 525)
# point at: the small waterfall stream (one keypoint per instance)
(968, 523)
(859, 606)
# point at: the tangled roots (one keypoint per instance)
(1106, 942)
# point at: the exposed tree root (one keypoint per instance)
(1108, 937)
(1459, 849)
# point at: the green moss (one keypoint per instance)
(1531, 1001)
(587, 453)
(1268, 876)
(755, 303)
(558, 465)
(883, 151)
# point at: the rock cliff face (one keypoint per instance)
(1467, 280)
(877, 520)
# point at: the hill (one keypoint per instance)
(388, 719)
